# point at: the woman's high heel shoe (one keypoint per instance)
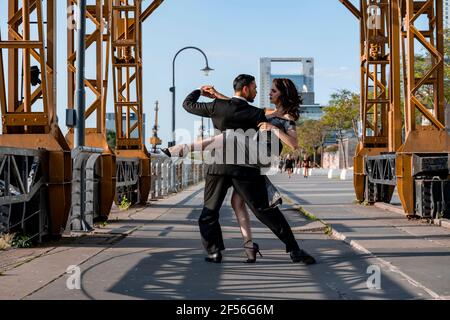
(177, 151)
(251, 252)
(166, 151)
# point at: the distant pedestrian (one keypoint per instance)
(289, 165)
(306, 164)
(298, 166)
(281, 165)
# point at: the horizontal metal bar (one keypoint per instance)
(25, 119)
(127, 103)
(124, 43)
(430, 164)
(124, 8)
(120, 142)
(89, 149)
(131, 160)
(382, 157)
(17, 44)
(126, 183)
(384, 182)
(8, 151)
(83, 149)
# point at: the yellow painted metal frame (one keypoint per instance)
(380, 85)
(422, 138)
(126, 44)
(26, 123)
(429, 138)
(98, 18)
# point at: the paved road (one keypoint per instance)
(163, 258)
(418, 252)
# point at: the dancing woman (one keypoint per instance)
(281, 121)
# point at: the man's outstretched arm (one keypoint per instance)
(202, 109)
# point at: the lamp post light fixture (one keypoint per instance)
(206, 70)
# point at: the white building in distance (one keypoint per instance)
(303, 80)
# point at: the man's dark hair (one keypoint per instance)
(242, 81)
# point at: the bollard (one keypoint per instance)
(179, 181)
(191, 173)
(153, 182)
(157, 180)
(197, 173)
(164, 178)
(171, 176)
(194, 173)
(160, 187)
(343, 174)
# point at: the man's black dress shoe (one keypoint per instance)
(302, 256)
(166, 152)
(214, 257)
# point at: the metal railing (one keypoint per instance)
(24, 186)
(173, 175)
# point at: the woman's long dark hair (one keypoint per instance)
(289, 97)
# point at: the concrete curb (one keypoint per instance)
(390, 208)
(444, 223)
(313, 226)
(325, 228)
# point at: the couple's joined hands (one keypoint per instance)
(209, 92)
(266, 126)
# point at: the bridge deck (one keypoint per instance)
(155, 252)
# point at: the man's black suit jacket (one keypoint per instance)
(227, 114)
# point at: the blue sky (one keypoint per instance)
(234, 34)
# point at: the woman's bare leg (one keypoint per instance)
(180, 150)
(243, 218)
(214, 143)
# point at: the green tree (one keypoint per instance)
(312, 135)
(111, 138)
(342, 114)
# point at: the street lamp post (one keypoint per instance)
(79, 132)
(206, 70)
